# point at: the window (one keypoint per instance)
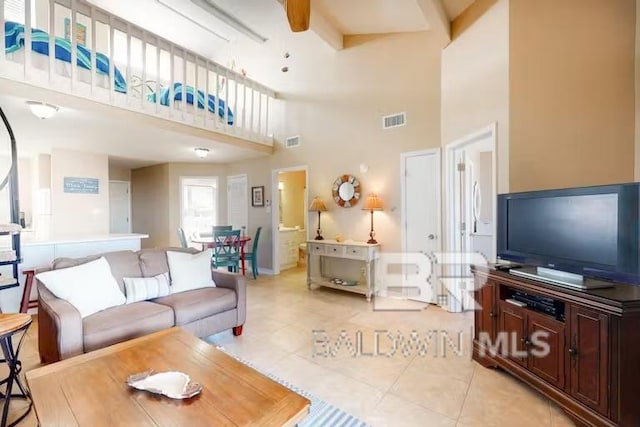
(199, 204)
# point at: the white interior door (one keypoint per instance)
(237, 202)
(119, 207)
(421, 210)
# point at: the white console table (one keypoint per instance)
(358, 252)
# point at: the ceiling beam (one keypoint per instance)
(438, 20)
(326, 30)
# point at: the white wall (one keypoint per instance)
(75, 214)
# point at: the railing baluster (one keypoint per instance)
(52, 41)
(259, 112)
(206, 94)
(226, 99)
(112, 66)
(235, 104)
(143, 87)
(217, 103)
(183, 105)
(27, 38)
(158, 89)
(253, 107)
(129, 76)
(94, 51)
(266, 119)
(244, 105)
(2, 34)
(172, 91)
(74, 45)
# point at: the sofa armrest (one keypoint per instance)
(59, 327)
(238, 283)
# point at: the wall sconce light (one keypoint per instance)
(317, 205)
(373, 203)
(42, 110)
(201, 152)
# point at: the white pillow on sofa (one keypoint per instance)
(89, 287)
(144, 288)
(189, 271)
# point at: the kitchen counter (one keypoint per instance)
(57, 240)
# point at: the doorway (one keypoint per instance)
(119, 207)
(289, 215)
(471, 174)
(421, 206)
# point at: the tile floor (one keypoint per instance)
(394, 390)
(390, 389)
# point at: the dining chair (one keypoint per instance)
(221, 228)
(226, 249)
(253, 255)
(182, 238)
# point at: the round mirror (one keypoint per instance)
(346, 191)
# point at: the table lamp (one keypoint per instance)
(373, 203)
(317, 205)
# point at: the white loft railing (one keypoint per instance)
(101, 57)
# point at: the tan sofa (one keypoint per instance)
(62, 333)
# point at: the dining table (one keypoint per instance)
(209, 242)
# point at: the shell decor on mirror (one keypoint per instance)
(175, 385)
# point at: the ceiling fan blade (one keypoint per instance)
(298, 14)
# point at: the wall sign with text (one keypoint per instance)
(81, 185)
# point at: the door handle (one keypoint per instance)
(431, 236)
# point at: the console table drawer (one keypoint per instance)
(358, 252)
(316, 248)
(334, 250)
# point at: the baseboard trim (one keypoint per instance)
(265, 271)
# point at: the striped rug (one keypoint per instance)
(321, 413)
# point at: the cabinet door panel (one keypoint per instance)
(547, 352)
(590, 357)
(513, 327)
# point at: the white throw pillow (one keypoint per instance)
(89, 287)
(144, 288)
(190, 271)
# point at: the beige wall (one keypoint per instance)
(292, 198)
(76, 214)
(571, 93)
(119, 174)
(150, 204)
(475, 82)
(338, 117)
(177, 170)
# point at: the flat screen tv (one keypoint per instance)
(589, 231)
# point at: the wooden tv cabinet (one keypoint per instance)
(592, 370)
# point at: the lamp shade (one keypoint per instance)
(317, 205)
(372, 203)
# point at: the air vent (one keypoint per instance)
(292, 141)
(394, 121)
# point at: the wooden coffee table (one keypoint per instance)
(90, 390)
